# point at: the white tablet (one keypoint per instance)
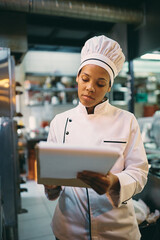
(58, 164)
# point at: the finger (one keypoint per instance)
(96, 178)
(99, 190)
(49, 186)
(97, 186)
(52, 193)
(91, 173)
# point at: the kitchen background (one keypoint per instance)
(48, 82)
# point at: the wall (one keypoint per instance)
(53, 63)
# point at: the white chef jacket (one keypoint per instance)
(113, 217)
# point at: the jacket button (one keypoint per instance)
(70, 120)
(67, 133)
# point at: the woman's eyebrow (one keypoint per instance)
(102, 79)
(97, 79)
(85, 74)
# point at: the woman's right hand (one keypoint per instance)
(52, 191)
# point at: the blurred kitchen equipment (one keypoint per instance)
(155, 130)
(32, 122)
(18, 114)
(55, 100)
(18, 84)
(149, 110)
(119, 95)
(9, 170)
(67, 81)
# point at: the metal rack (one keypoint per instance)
(8, 142)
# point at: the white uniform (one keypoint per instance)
(108, 126)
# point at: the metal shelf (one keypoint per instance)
(38, 89)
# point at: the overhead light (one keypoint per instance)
(151, 56)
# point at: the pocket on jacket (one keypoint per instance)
(119, 144)
(115, 143)
(123, 141)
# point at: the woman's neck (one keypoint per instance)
(90, 110)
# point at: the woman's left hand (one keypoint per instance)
(99, 182)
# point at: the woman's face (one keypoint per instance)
(93, 84)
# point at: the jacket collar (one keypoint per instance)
(99, 109)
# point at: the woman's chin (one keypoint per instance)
(88, 102)
(87, 105)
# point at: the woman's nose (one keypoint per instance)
(90, 88)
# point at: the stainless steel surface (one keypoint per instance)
(8, 145)
(150, 130)
(156, 128)
(4, 83)
(0, 211)
(8, 172)
(76, 9)
(119, 95)
(7, 84)
(151, 193)
(152, 151)
(12, 87)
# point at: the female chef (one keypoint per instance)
(105, 211)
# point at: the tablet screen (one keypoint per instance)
(63, 161)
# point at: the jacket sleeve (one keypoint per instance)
(52, 194)
(134, 176)
(52, 135)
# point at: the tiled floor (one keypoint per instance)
(35, 224)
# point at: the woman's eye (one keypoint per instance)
(100, 85)
(84, 80)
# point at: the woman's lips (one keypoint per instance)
(87, 97)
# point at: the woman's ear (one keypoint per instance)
(77, 79)
(109, 89)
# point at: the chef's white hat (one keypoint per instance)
(104, 52)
